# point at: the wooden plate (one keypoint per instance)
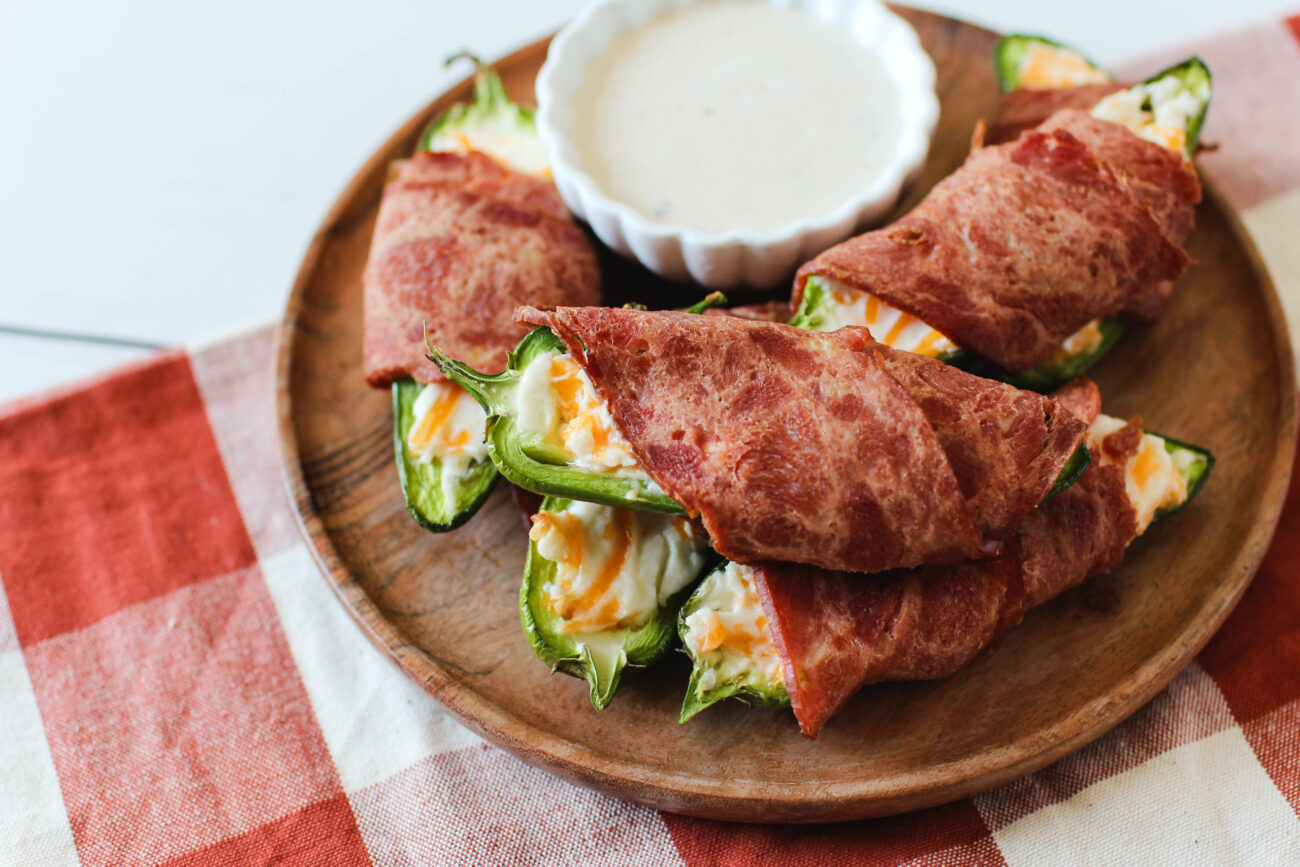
(1216, 370)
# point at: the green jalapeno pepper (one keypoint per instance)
(494, 125)
(1069, 474)
(1169, 106)
(527, 456)
(436, 503)
(1194, 464)
(1196, 79)
(1051, 374)
(607, 597)
(491, 124)
(524, 455)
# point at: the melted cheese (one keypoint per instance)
(614, 567)
(1151, 476)
(557, 403)
(1086, 339)
(888, 325)
(728, 632)
(1160, 111)
(501, 138)
(448, 427)
(903, 331)
(1047, 66)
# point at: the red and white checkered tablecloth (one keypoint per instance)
(179, 685)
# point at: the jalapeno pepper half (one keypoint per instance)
(443, 494)
(724, 632)
(602, 587)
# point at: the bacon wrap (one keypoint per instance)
(1081, 397)
(1025, 108)
(765, 311)
(1021, 246)
(1162, 180)
(837, 632)
(460, 241)
(823, 448)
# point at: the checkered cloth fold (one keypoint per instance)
(178, 684)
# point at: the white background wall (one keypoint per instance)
(164, 164)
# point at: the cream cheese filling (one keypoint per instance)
(728, 632)
(1160, 111)
(1046, 66)
(499, 138)
(1151, 475)
(557, 404)
(448, 427)
(888, 325)
(614, 568)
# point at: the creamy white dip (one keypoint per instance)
(734, 115)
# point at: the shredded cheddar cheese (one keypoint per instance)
(887, 324)
(1151, 477)
(448, 427)
(1047, 66)
(728, 631)
(613, 567)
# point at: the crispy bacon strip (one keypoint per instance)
(766, 311)
(460, 241)
(837, 632)
(821, 448)
(1025, 108)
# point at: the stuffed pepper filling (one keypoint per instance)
(727, 634)
(888, 325)
(845, 305)
(1156, 472)
(1161, 111)
(1044, 65)
(492, 124)
(614, 568)
(1086, 339)
(448, 428)
(559, 411)
(498, 136)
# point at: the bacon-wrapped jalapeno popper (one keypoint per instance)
(775, 632)
(789, 445)
(468, 228)
(1018, 265)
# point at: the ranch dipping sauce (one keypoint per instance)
(734, 116)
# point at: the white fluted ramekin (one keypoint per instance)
(740, 258)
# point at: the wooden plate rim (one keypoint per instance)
(740, 798)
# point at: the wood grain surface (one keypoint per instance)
(1216, 370)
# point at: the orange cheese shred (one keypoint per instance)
(434, 419)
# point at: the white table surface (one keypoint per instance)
(163, 165)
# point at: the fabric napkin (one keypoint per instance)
(179, 685)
